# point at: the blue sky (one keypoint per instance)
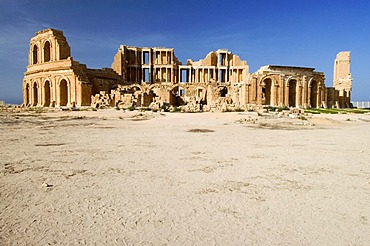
(292, 32)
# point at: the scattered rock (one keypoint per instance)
(199, 130)
(46, 185)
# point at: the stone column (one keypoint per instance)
(273, 93)
(254, 90)
(246, 91)
(75, 94)
(57, 54)
(281, 91)
(32, 89)
(298, 95)
(173, 80)
(69, 91)
(57, 91)
(304, 92)
(318, 98)
(24, 88)
(286, 94)
(195, 79)
(259, 93)
(55, 86)
(42, 93)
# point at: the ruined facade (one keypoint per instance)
(342, 79)
(149, 77)
(54, 79)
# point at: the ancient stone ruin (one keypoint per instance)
(153, 77)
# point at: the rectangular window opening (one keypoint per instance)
(146, 75)
(146, 57)
(222, 75)
(184, 75)
(222, 59)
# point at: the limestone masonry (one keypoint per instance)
(152, 77)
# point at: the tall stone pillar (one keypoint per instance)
(281, 91)
(259, 93)
(246, 93)
(319, 96)
(273, 93)
(342, 79)
(142, 99)
(304, 91)
(286, 94)
(298, 94)
(253, 90)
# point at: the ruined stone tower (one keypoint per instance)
(54, 79)
(342, 79)
(51, 78)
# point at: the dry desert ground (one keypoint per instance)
(111, 177)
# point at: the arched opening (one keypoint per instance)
(292, 92)
(201, 95)
(47, 51)
(223, 92)
(47, 94)
(313, 94)
(266, 91)
(27, 95)
(135, 91)
(177, 96)
(149, 98)
(34, 54)
(35, 94)
(63, 93)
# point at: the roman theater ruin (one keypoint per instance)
(151, 77)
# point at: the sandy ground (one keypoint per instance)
(130, 178)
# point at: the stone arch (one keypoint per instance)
(152, 87)
(175, 86)
(47, 51)
(292, 92)
(267, 85)
(47, 93)
(177, 97)
(131, 87)
(314, 93)
(35, 51)
(63, 92)
(273, 78)
(27, 95)
(35, 93)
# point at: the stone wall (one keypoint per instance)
(143, 76)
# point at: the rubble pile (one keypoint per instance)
(102, 100)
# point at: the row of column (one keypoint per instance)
(289, 93)
(136, 74)
(40, 53)
(202, 75)
(47, 95)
